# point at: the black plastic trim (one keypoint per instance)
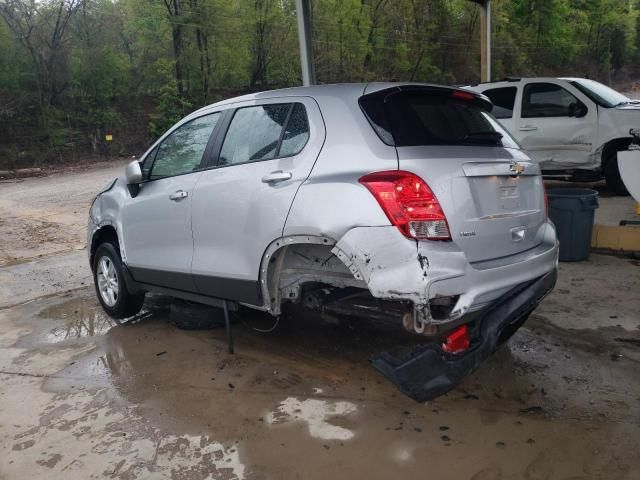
(177, 280)
(245, 291)
(426, 371)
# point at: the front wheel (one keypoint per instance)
(108, 278)
(612, 175)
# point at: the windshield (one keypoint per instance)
(599, 93)
(433, 118)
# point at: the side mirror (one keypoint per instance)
(133, 173)
(577, 109)
(581, 111)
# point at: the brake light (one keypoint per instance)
(409, 203)
(457, 341)
(466, 96)
(546, 200)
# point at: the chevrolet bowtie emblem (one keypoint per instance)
(516, 168)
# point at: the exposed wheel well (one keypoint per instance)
(102, 235)
(612, 146)
(291, 263)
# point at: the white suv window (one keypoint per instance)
(503, 100)
(549, 100)
(181, 152)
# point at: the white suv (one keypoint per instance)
(569, 125)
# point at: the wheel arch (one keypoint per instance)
(290, 262)
(613, 145)
(105, 233)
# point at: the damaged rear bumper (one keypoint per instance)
(396, 268)
(427, 372)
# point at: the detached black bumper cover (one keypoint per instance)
(426, 372)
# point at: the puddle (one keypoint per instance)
(316, 414)
(82, 318)
(81, 327)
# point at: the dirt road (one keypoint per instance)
(83, 397)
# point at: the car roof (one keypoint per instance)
(345, 91)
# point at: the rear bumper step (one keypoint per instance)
(426, 372)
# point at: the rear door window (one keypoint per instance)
(259, 133)
(548, 100)
(296, 133)
(433, 117)
(503, 100)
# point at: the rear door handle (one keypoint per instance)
(179, 195)
(528, 128)
(276, 177)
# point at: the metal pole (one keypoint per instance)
(303, 12)
(227, 322)
(485, 41)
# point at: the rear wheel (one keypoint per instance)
(108, 278)
(612, 175)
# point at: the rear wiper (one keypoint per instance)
(483, 137)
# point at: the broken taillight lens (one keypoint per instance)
(409, 203)
(457, 341)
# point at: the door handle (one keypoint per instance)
(179, 195)
(276, 177)
(528, 128)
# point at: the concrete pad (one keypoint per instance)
(38, 277)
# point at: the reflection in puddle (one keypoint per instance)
(89, 326)
(83, 317)
(315, 413)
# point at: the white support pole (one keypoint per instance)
(303, 13)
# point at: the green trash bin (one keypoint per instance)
(572, 210)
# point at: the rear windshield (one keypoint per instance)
(432, 118)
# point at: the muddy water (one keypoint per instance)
(83, 395)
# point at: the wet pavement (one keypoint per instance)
(82, 396)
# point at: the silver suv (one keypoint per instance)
(408, 201)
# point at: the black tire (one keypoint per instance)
(126, 305)
(612, 175)
(195, 316)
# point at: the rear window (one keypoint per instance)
(413, 118)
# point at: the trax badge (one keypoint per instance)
(516, 168)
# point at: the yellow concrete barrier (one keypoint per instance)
(613, 237)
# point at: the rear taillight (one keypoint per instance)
(409, 203)
(457, 341)
(466, 96)
(546, 200)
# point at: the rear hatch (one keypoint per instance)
(491, 194)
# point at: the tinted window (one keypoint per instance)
(296, 132)
(503, 100)
(433, 118)
(548, 100)
(254, 134)
(181, 152)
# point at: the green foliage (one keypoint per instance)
(134, 67)
(170, 107)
